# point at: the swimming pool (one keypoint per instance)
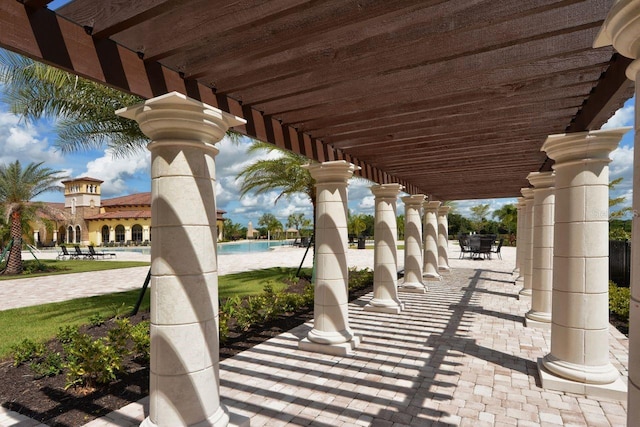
(244, 246)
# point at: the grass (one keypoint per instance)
(41, 322)
(72, 266)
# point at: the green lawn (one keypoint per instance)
(73, 266)
(41, 322)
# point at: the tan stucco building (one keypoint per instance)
(87, 219)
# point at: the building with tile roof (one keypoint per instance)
(86, 219)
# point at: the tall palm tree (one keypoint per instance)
(84, 109)
(284, 174)
(17, 187)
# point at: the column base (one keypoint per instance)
(525, 293)
(530, 322)
(220, 419)
(383, 307)
(445, 270)
(413, 287)
(339, 349)
(432, 277)
(615, 390)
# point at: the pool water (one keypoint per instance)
(248, 246)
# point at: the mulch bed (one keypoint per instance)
(47, 401)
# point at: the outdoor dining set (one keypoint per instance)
(479, 246)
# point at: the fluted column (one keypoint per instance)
(542, 269)
(443, 239)
(622, 29)
(430, 263)
(385, 253)
(413, 245)
(517, 271)
(184, 380)
(331, 332)
(580, 306)
(526, 267)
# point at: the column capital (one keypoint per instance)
(595, 144)
(176, 116)
(333, 171)
(527, 194)
(432, 206)
(386, 190)
(541, 180)
(621, 29)
(414, 200)
(443, 210)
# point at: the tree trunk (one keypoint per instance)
(14, 265)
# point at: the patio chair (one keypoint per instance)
(484, 249)
(79, 253)
(99, 254)
(64, 254)
(464, 248)
(497, 251)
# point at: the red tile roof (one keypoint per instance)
(138, 199)
(120, 215)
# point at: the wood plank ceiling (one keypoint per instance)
(451, 98)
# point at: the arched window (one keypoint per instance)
(70, 234)
(136, 233)
(78, 234)
(120, 233)
(105, 234)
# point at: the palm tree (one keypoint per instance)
(17, 187)
(284, 174)
(508, 216)
(84, 109)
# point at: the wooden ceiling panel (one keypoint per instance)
(450, 98)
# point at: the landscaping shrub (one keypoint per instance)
(26, 351)
(619, 299)
(91, 362)
(47, 366)
(141, 339)
(66, 334)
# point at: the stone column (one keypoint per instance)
(145, 233)
(443, 239)
(413, 245)
(127, 233)
(385, 251)
(112, 232)
(579, 356)
(36, 234)
(517, 270)
(622, 29)
(184, 380)
(430, 265)
(55, 235)
(542, 267)
(526, 266)
(331, 332)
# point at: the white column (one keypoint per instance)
(518, 269)
(55, 235)
(542, 269)
(385, 251)
(145, 233)
(430, 263)
(413, 245)
(36, 234)
(331, 332)
(526, 267)
(127, 233)
(579, 356)
(622, 29)
(184, 380)
(443, 239)
(112, 234)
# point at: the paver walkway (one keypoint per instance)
(457, 355)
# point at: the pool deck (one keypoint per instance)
(457, 355)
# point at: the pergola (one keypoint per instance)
(450, 99)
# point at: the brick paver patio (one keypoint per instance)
(457, 355)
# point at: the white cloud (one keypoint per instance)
(623, 117)
(116, 172)
(23, 142)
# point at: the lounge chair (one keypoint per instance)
(99, 254)
(79, 253)
(65, 253)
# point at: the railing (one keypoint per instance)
(620, 262)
